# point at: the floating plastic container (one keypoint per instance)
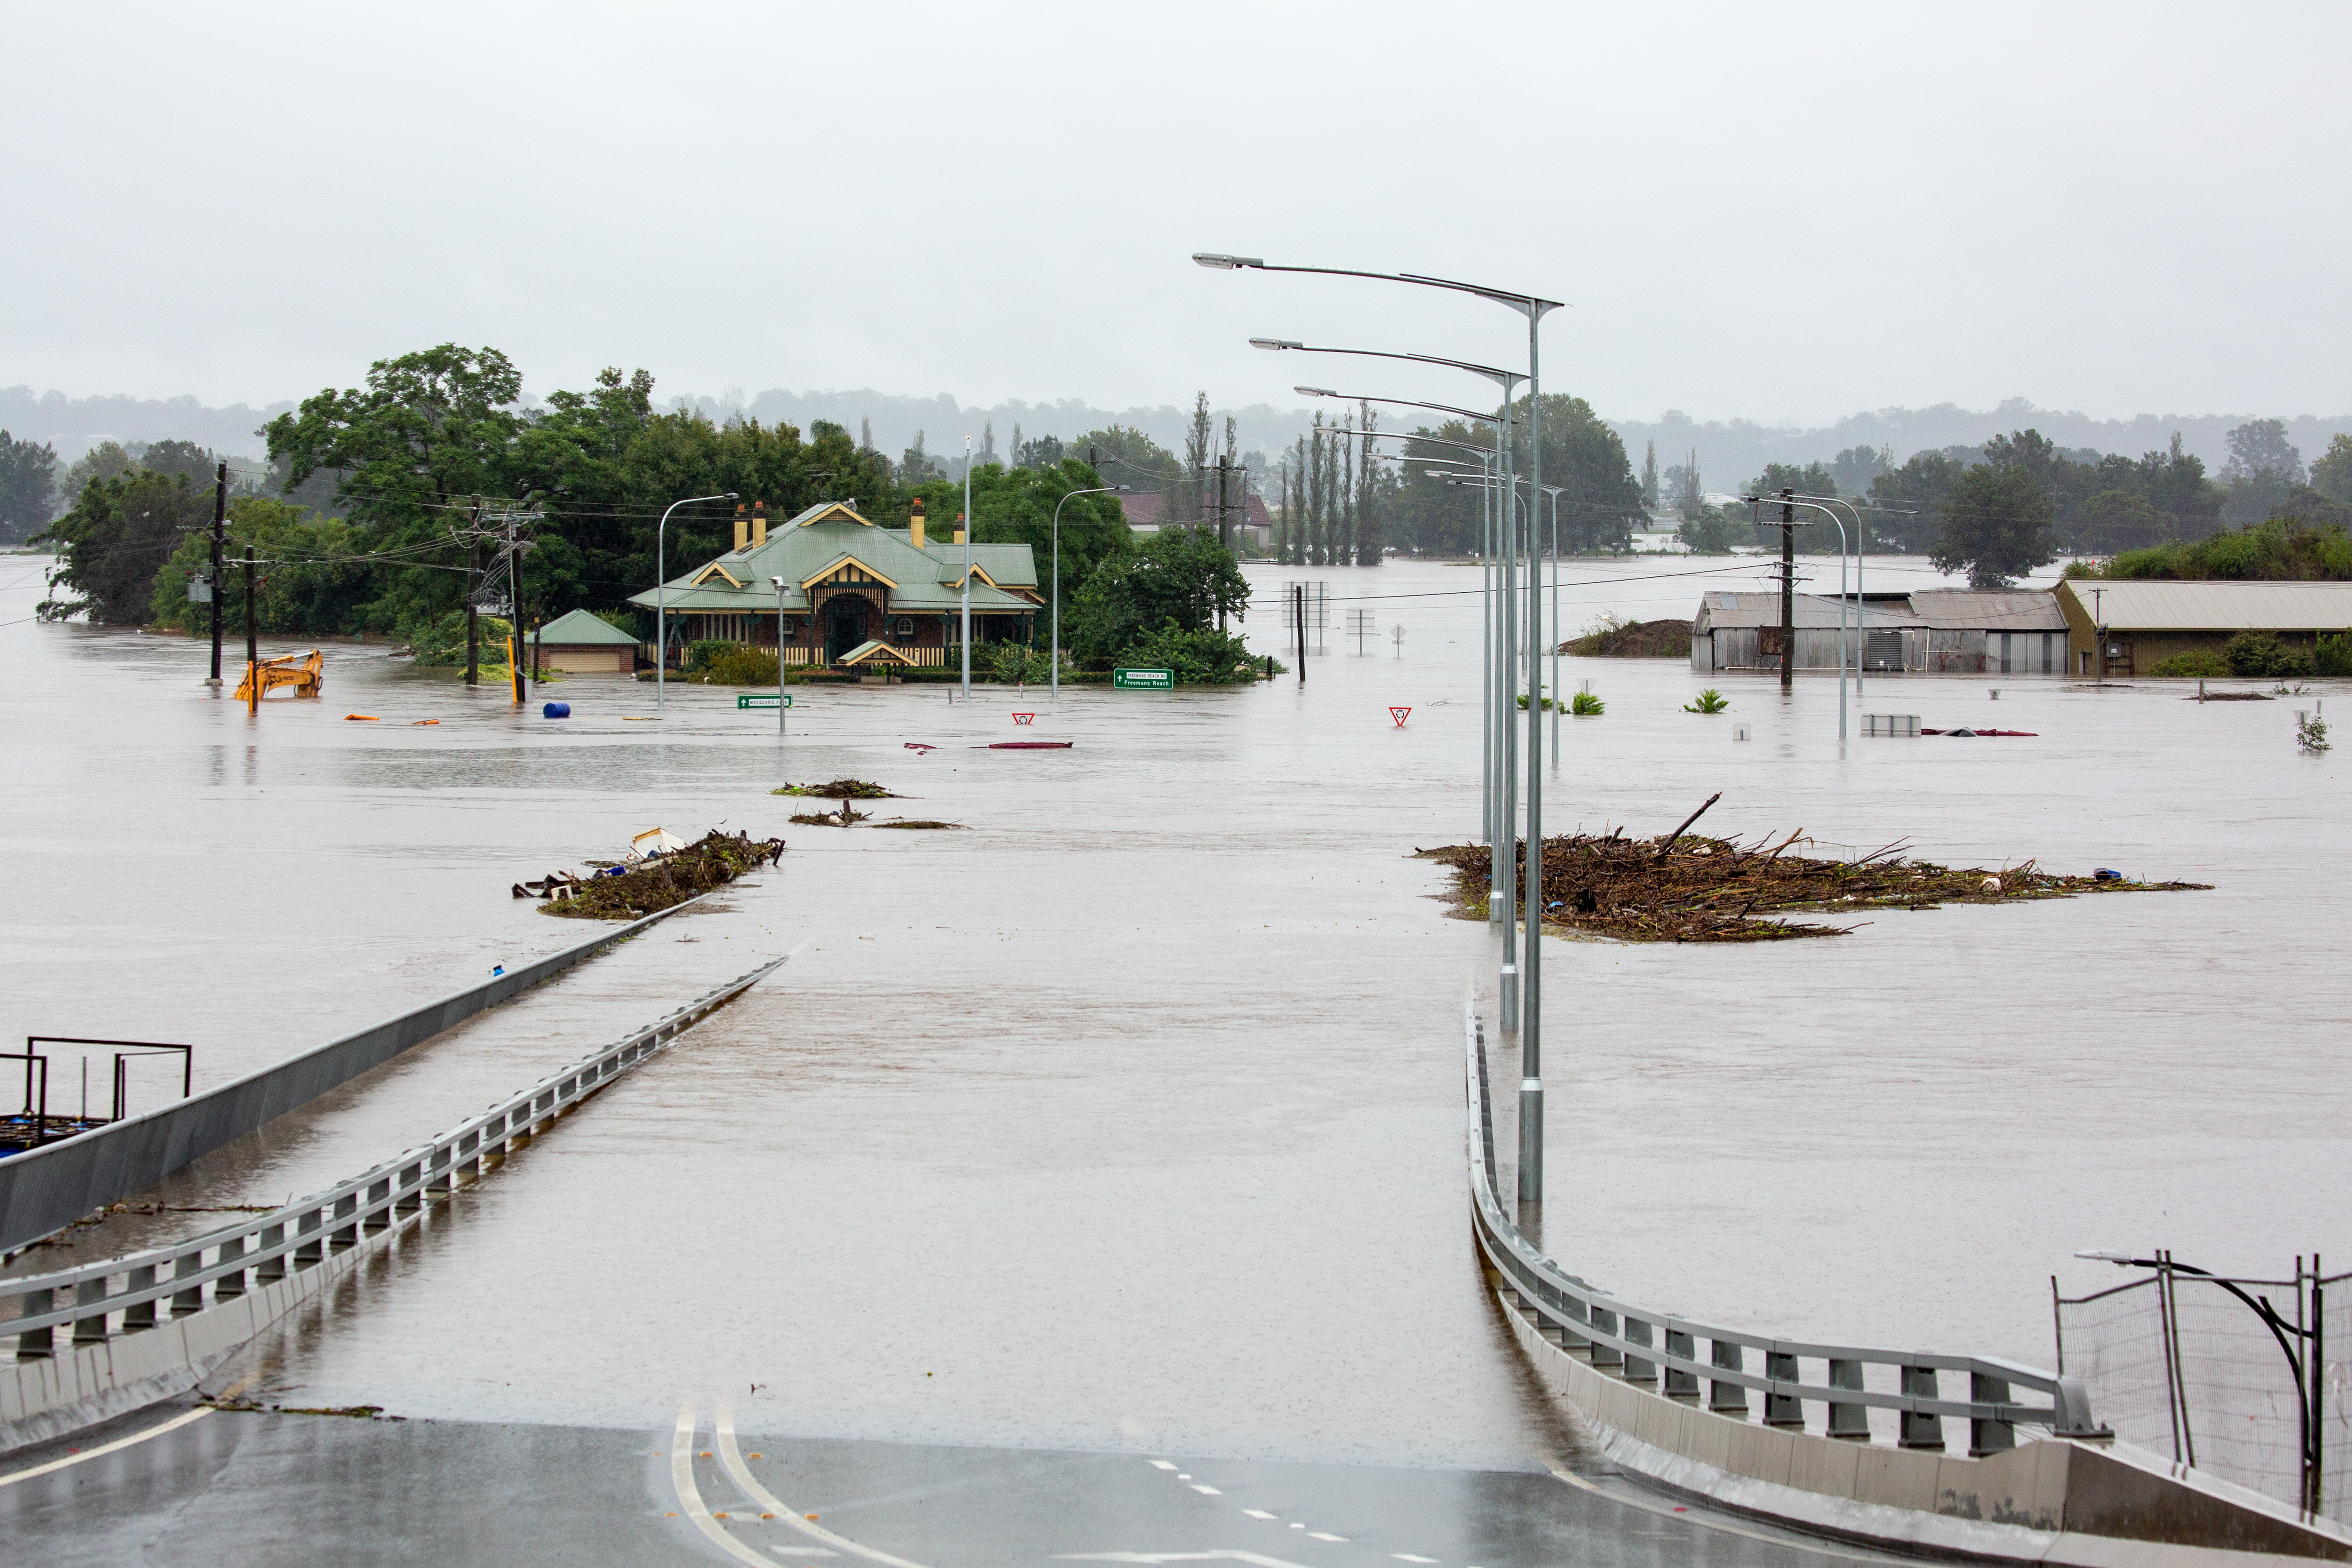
(1890, 724)
(556, 711)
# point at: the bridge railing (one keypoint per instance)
(130, 1293)
(1827, 1389)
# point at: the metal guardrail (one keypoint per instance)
(1661, 1351)
(121, 1295)
(45, 1189)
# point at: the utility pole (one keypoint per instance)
(473, 578)
(1224, 537)
(220, 519)
(514, 611)
(252, 643)
(1298, 615)
(1787, 591)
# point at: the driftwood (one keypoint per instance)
(661, 880)
(1694, 889)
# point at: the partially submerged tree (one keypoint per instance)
(1997, 526)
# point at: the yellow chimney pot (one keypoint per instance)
(743, 528)
(759, 524)
(915, 523)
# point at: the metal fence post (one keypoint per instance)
(139, 1314)
(1919, 1431)
(312, 1247)
(1604, 1322)
(346, 1234)
(36, 1344)
(1986, 1435)
(1726, 1396)
(1681, 1383)
(1783, 1409)
(271, 1270)
(1848, 1421)
(188, 1298)
(232, 1283)
(1639, 1369)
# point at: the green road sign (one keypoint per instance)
(761, 700)
(1143, 680)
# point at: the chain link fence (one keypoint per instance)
(2188, 1366)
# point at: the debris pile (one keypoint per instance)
(843, 790)
(656, 882)
(1684, 887)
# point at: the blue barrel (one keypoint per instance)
(557, 710)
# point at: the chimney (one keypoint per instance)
(741, 528)
(759, 523)
(959, 533)
(915, 523)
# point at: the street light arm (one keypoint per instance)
(1399, 402)
(1220, 262)
(1508, 379)
(661, 597)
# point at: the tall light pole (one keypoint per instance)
(1788, 499)
(967, 569)
(1861, 623)
(1534, 309)
(1558, 699)
(1054, 652)
(779, 582)
(661, 599)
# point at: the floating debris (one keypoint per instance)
(840, 789)
(1678, 888)
(661, 880)
(920, 824)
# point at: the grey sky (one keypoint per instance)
(1785, 212)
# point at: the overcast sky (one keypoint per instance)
(1775, 212)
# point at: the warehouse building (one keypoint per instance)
(1936, 631)
(2127, 628)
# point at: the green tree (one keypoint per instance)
(1016, 506)
(27, 483)
(1908, 503)
(1180, 578)
(106, 460)
(2331, 476)
(308, 586)
(1650, 476)
(1997, 525)
(117, 534)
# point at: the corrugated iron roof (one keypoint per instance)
(578, 628)
(1989, 609)
(1812, 612)
(2163, 605)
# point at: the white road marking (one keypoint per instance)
(198, 1414)
(1324, 1535)
(1257, 1559)
(1161, 1465)
(1206, 1492)
(731, 1457)
(1259, 1513)
(1560, 1473)
(1409, 1557)
(689, 1500)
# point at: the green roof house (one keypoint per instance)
(577, 642)
(848, 584)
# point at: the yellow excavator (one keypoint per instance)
(296, 671)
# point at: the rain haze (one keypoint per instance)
(1784, 215)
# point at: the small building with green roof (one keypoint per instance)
(848, 584)
(577, 642)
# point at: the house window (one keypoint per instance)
(903, 627)
(787, 626)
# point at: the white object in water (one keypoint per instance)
(1996, 694)
(1739, 731)
(656, 841)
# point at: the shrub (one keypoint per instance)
(2203, 665)
(1204, 657)
(442, 640)
(2333, 655)
(1709, 701)
(699, 653)
(1584, 705)
(1016, 664)
(2261, 654)
(735, 665)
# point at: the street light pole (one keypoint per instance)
(661, 598)
(1054, 652)
(779, 582)
(967, 569)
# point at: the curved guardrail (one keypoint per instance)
(1660, 1350)
(122, 1296)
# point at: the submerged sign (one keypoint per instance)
(1143, 680)
(757, 700)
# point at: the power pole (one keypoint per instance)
(1299, 613)
(252, 643)
(473, 575)
(514, 613)
(220, 518)
(1787, 590)
(1224, 536)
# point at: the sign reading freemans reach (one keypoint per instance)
(1143, 680)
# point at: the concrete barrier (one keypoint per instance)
(46, 1189)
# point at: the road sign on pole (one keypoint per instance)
(1143, 680)
(762, 700)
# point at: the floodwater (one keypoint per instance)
(1131, 1117)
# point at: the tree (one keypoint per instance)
(183, 458)
(1997, 525)
(1016, 506)
(2260, 446)
(27, 483)
(1126, 456)
(2331, 476)
(1908, 503)
(117, 537)
(106, 460)
(1180, 578)
(1857, 465)
(1650, 476)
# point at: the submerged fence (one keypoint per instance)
(1850, 1392)
(2182, 1366)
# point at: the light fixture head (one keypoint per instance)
(1218, 262)
(1314, 391)
(2098, 1256)
(1274, 344)
(779, 583)
(731, 495)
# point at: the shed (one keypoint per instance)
(1742, 631)
(578, 642)
(1984, 631)
(2148, 621)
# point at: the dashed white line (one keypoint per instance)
(1206, 1492)
(1324, 1535)
(198, 1414)
(1409, 1557)
(1260, 1513)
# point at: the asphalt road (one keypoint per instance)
(186, 1485)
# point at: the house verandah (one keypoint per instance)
(848, 584)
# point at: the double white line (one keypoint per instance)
(730, 1458)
